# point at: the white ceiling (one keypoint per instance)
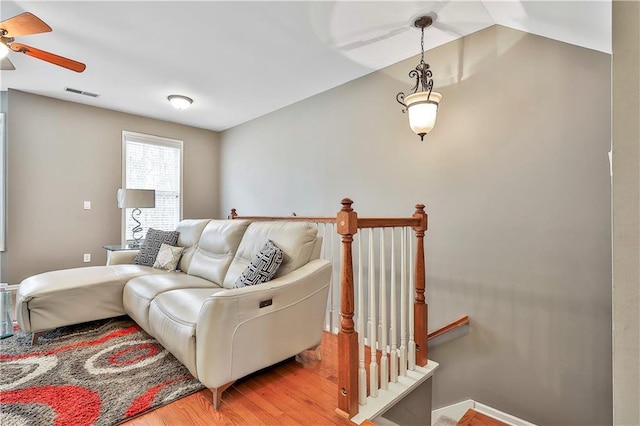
(239, 60)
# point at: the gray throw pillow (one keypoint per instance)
(151, 245)
(263, 266)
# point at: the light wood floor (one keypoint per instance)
(295, 392)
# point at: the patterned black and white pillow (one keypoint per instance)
(151, 245)
(263, 266)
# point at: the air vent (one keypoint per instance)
(81, 92)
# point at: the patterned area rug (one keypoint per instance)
(101, 373)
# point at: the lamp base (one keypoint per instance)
(137, 230)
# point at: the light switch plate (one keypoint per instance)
(87, 205)
(87, 257)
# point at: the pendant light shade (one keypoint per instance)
(4, 50)
(422, 108)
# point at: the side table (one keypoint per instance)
(120, 247)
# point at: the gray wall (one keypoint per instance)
(516, 181)
(626, 212)
(62, 153)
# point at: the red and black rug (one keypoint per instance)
(101, 373)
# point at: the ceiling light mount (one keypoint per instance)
(180, 101)
(423, 22)
(421, 106)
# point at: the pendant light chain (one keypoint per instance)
(422, 46)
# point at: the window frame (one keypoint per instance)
(153, 140)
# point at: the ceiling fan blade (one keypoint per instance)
(49, 57)
(24, 24)
(6, 65)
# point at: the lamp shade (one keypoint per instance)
(4, 50)
(422, 108)
(136, 198)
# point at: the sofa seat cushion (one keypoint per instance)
(139, 292)
(173, 317)
(72, 296)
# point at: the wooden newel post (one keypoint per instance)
(347, 226)
(420, 308)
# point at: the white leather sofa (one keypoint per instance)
(218, 332)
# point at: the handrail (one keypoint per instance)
(387, 222)
(464, 320)
(363, 222)
(314, 219)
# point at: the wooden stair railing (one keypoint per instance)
(347, 224)
(464, 320)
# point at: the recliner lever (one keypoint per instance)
(265, 303)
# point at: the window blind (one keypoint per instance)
(151, 162)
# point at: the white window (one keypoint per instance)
(152, 162)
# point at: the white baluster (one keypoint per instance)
(380, 308)
(362, 372)
(384, 362)
(369, 266)
(379, 316)
(335, 296)
(328, 322)
(403, 302)
(394, 313)
(373, 365)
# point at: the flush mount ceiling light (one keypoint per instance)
(421, 106)
(179, 101)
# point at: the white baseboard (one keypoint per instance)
(456, 411)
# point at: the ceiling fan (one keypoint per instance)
(26, 24)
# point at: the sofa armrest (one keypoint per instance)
(240, 331)
(122, 257)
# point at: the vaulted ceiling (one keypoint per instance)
(239, 60)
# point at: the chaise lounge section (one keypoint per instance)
(220, 333)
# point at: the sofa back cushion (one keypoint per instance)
(190, 231)
(296, 239)
(216, 249)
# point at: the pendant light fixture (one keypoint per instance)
(421, 106)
